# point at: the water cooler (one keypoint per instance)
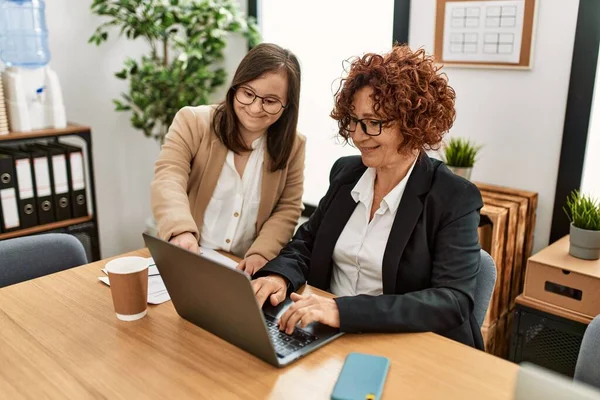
(32, 92)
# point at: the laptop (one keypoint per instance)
(534, 382)
(221, 300)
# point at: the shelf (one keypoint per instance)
(44, 228)
(69, 130)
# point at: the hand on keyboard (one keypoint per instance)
(309, 309)
(285, 344)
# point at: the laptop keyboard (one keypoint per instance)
(286, 344)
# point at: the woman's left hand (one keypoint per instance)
(307, 309)
(252, 263)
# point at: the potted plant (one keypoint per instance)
(183, 67)
(584, 213)
(459, 156)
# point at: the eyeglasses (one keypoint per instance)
(371, 127)
(270, 105)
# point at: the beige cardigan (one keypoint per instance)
(186, 173)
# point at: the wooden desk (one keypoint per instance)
(61, 339)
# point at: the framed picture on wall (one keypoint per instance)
(485, 33)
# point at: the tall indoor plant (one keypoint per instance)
(460, 156)
(584, 213)
(183, 67)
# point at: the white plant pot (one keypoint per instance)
(584, 244)
(462, 171)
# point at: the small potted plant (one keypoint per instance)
(459, 156)
(584, 213)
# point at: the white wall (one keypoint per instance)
(517, 115)
(123, 157)
(334, 28)
(590, 183)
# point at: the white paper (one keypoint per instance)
(217, 257)
(42, 176)
(152, 270)
(157, 292)
(488, 31)
(24, 178)
(77, 179)
(210, 254)
(10, 210)
(59, 167)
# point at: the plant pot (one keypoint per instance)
(465, 172)
(584, 244)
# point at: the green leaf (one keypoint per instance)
(122, 74)
(460, 153)
(583, 211)
(137, 121)
(120, 106)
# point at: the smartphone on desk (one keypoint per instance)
(362, 377)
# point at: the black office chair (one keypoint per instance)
(30, 257)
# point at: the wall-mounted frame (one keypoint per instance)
(485, 33)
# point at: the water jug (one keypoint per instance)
(23, 33)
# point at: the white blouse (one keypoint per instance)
(358, 253)
(230, 217)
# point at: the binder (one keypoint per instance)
(59, 180)
(42, 183)
(25, 188)
(9, 209)
(76, 176)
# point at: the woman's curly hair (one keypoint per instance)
(407, 89)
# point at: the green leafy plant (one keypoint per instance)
(460, 153)
(583, 211)
(184, 64)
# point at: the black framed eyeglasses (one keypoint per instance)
(246, 96)
(370, 126)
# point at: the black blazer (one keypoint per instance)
(430, 263)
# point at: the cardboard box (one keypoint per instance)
(556, 278)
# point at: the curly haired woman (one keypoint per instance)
(395, 237)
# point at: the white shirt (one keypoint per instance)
(358, 253)
(230, 217)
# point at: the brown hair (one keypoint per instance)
(407, 89)
(264, 58)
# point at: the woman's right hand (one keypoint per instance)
(187, 241)
(273, 287)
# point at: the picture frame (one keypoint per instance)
(485, 33)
